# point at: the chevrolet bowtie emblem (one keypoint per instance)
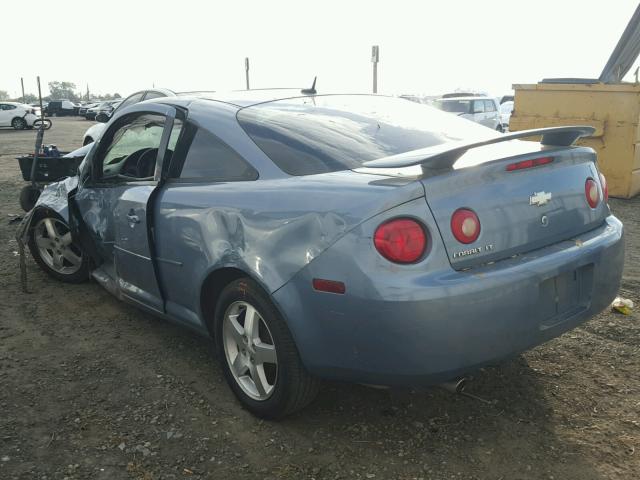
(539, 198)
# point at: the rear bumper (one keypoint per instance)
(425, 328)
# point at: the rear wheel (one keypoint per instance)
(54, 250)
(19, 123)
(258, 355)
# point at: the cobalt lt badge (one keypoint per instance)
(539, 198)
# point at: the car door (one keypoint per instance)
(4, 116)
(478, 112)
(114, 203)
(492, 115)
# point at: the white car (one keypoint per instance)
(95, 131)
(482, 110)
(18, 115)
(506, 109)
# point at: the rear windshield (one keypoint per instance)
(310, 135)
(455, 106)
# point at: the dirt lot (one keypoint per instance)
(91, 388)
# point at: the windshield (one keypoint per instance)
(310, 135)
(454, 106)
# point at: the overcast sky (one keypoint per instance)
(426, 47)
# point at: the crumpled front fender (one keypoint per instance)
(54, 198)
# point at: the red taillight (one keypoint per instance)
(535, 162)
(330, 286)
(591, 192)
(465, 225)
(605, 187)
(401, 240)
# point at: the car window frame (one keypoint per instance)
(95, 171)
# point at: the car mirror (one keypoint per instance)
(102, 117)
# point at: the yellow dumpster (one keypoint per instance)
(614, 111)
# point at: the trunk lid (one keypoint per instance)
(519, 210)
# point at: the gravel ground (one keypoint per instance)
(91, 388)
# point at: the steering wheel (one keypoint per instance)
(147, 163)
(130, 163)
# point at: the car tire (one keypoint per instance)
(19, 123)
(28, 197)
(268, 390)
(500, 129)
(54, 252)
(87, 141)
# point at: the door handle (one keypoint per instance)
(133, 218)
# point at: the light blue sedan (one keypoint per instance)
(348, 237)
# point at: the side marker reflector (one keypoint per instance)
(329, 286)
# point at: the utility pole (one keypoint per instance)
(22, 83)
(246, 71)
(375, 58)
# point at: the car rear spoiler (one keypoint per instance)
(443, 156)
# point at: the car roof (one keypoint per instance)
(246, 98)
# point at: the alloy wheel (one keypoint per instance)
(53, 241)
(250, 350)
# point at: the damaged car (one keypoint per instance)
(358, 238)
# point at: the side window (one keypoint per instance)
(131, 100)
(133, 149)
(152, 94)
(489, 106)
(478, 106)
(210, 158)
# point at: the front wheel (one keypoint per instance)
(258, 355)
(55, 252)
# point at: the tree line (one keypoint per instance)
(60, 91)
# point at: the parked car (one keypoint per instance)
(61, 108)
(18, 115)
(95, 131)
(82, 111)
(482, 110)
(106, 107)
(359, 238)
(92, 111)
(506, 109)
